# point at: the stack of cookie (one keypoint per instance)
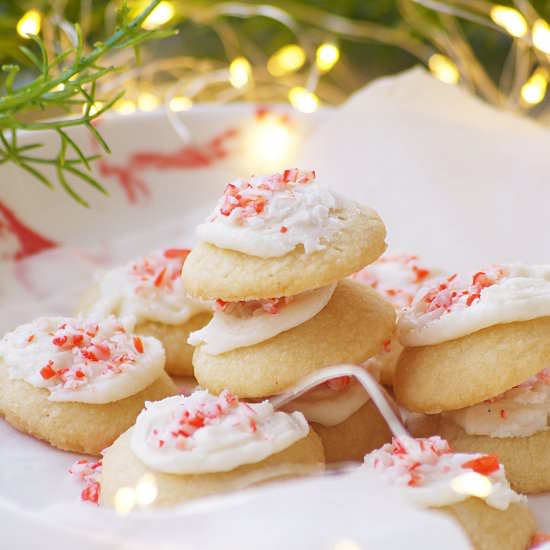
(476, 361)
(274, 256)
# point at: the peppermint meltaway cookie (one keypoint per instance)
(279, 235)
(345, 418)
(480, 348)
(472, 488)
(76, 383)
(259, 348)
(398, 277)
(201, 445)
(151, 290)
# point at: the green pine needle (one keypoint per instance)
(68, 79)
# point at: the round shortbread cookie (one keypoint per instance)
(211, 272)
(349, 329)
(121, 468)
(179, 354)
(492, 529)
(526, 459)
(466, 371)
(349, 441)
(78, 427)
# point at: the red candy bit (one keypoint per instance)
(484, 465)
(283, 229)
(160, 277)
(420, 273)
(91, 492)
(338, 384)
(48, 371)
(138, 344)
(538, 539)
(503, 414)
(60, 341)
(386, 346)
(30, 338)
(89, 355)
(177, 253)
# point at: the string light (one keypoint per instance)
(472, 483)
(303, 100)
(286, 60)
(268, 143)
(443, 68)
(94, 108)
(541, 36)
(240, 72)
(159, 16)
(146, 490)
(180, 103)
(346, 544)
(29, 24)
(510, 20)
(534, 90)
(125, 107)
(326, 56)
(147, 101)
(124, 501)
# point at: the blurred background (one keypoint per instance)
(308, 53)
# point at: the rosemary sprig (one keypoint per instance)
(68, 81)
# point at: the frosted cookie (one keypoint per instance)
(513, 425)
(472, 338)
(472, 488)
(78, 384)
(279, 235)
(345, 418)
(150, 289)
(261, 348)
(398, 277)
(203, 445)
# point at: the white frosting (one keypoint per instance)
(243, 324)
(398, 277)
(149, 289)
(81, 360)
(519, 412)
(426, 471)
(330, 403)
(456, 306)
(269, 216)
(203, 434)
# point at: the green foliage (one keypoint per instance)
(67, 81)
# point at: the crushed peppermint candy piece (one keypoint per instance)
(248, 198)
(251, 307)
(88, 472)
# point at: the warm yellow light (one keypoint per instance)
(303, 99)
(146, 490)
(472, 484)
(94, 108)
(346, 544)
(147, 101)
(180, 103)
(510, 20)
(124, 501)
(159, 16)
(443, 68)
(534, 90)
(286, 60)
(327, 56)
(59, 88)
(541, 36)
(29, 24)
(240, 72)
(125, 107)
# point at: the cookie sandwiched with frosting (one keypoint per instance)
(280, 235)
(472, 488)
(259, 348)
(345, 418)
(151, 290)
(202, 445)
(397, 277)
(79, 383)
(478, 352)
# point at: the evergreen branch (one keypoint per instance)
(68, 79)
